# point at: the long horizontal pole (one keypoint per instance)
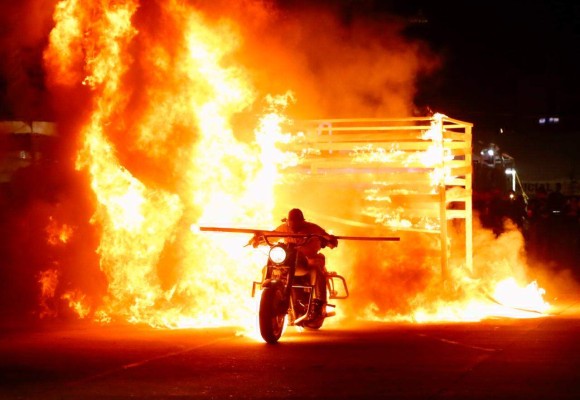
(284, 234)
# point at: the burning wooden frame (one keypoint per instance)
(415, 173)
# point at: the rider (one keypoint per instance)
(296, 223)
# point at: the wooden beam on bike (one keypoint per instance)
(370, 238)
(285, 234)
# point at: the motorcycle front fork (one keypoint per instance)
(294, 320)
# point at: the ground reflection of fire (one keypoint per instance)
(162, 151)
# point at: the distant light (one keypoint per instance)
(549, 120)
(490, 152)
(512, 172)
(500, 130)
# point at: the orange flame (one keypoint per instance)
(58, 234)
(77, 302)
(162, 155)
(219, 179)
(48, 280)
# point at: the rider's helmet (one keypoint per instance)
(295, 214)
(295, 219)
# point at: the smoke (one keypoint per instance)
(23, 34)
(45, 188)
(346, 62)
(339, 62)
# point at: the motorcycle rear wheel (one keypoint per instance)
(271, 314)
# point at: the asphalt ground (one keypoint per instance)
(499, 358)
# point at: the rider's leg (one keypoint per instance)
(318, 280)
(318, 276)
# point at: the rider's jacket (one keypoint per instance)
(313, 246)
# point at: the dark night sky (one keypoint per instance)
(507, 58)
(500, 58)
(507, 64)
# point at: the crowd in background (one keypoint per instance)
(549, 221)
(553, 227)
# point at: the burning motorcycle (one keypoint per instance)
(287, 293)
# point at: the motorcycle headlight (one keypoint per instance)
(277, 254)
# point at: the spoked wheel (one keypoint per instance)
(272, 314)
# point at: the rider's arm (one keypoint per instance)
(332, 241)
(327, 239)
(258, 239)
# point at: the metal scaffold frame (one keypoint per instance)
(423, 164)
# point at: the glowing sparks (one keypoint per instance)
(77, 302)
(48, 280)
(58, 234)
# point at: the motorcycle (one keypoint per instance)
(286, 289)
(287, 294)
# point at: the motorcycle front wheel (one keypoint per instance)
(271, 314)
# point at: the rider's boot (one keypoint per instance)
(316, 309)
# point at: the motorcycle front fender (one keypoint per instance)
(271, 283)
(268, 283)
